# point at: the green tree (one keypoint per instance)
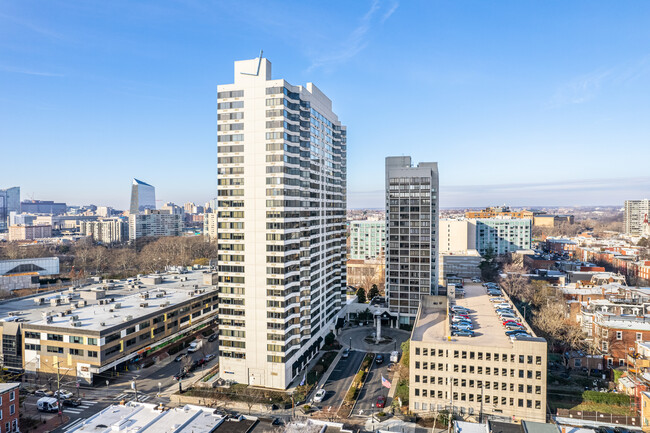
(489, 266)
(361, 295)
(329, 339)
(406, 350)
(373, 292)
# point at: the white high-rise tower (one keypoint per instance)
(280, 224)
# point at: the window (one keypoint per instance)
(91, 341)
(619, 335)
(621, 362)
(36, 335)
(76, 352)
(55, 337)
(639, 336)
(12, 409)
(92, 354)
(54, 349)
(12, 396)
(75, 339)
(417, 350)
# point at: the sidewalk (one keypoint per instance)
(322, 380)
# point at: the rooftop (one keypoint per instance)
(140, 417)
(5, 387)
(108, 303)
(432, 325)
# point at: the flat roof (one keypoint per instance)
(135, 417)
(431, 324)
(174, 289)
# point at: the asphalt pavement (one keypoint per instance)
(340, 380)
(373, 388)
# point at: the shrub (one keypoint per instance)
(329, 339)
(406, 351)
(352, 393)
(606, 397)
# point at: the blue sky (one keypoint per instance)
(520, 102)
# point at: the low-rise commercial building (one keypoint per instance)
(489, 374)
(93, 333)
(463, 264)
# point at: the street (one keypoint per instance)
(373, 388)
(340, 379)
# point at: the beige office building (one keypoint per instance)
(484, 375)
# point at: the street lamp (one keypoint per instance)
(159, 385)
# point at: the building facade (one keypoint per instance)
(457, 235)
(636, 217)
(143, 196)
(107, 231)
(281, 176)
(155, 223)
(502, 235)
(9, 202)
(367, 239)
(210, 226)
(29, 233)
(412, 240)
(43, 207)
(485, 375)
(499, 212)
(9, 406)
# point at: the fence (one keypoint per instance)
(600, 417)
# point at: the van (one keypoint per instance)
(394, 356)
(47, 404)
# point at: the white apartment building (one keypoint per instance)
(281, 176)
(210, 226)
(367, 239)
(154, 223)
(456, 235)
(412, 223)
(107, 231)
(636, 217)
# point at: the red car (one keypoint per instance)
(511, 322)
(381, 402)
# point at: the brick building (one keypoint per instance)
(9, 406)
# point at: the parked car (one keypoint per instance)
(514, 327)
(501, 305)
(379, 359)
(209, 357)
(213, 337)
(43, 393)
(507, 316)
(345, 353)
(465, 326)
(497, 300)
(518, 336)
(381, 402)
(462, 332)
(194, 346)
(319, 396)
(179, 358)
(180, 375)
(515, 332)
(72, 402)
(476, 280)
(460, 319)
(62, 394)
(511, 322)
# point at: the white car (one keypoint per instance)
(320, 395)
(63, 394)
(502, 305)
(193, 347)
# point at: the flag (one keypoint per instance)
(385, 382)
(304, 379)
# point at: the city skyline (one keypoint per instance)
(489, 90)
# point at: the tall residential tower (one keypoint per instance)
(411, 234)
(636, 217)
(281, 175)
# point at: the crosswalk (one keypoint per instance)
(85, 404)
(130, 396)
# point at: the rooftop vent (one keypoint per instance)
(144, 304)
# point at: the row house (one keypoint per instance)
(615, 336)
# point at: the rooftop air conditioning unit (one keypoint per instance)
(48, 319)
(144, 304)
(117, 305)
(111, 310)
(102, 323)
(164, 304)
(127, 318)
(75, 317)
(76, 324)
(160, 295)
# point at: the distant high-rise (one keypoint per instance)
(156, 223)
(281, 176)
(637, 214)
(411, 234)
(367, 239)
(43, 207)
(9, 202)
(143, 196)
